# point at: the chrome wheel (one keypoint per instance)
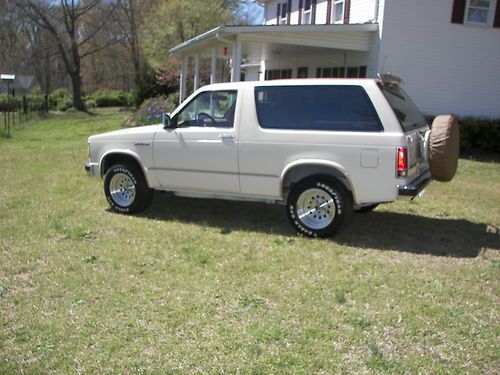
(122, 189)
(316, 208)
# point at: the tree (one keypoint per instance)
(176, 21)
(130, 16)
(73, 26)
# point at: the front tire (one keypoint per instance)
(126, 190)
(319, 207)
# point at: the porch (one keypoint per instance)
(251, 53)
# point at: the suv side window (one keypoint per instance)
(337, 108)
(209, 109)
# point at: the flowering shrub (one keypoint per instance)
(152, 110)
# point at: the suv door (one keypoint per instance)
(199, 153)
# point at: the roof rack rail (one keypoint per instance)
(388, 79)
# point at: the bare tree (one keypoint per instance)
(73, 25)
(129, 16)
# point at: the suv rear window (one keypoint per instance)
(405, 109)
(338, 108)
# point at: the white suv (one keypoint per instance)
(323, 147)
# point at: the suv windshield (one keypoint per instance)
(405, 109)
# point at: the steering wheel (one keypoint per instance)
(203, 115)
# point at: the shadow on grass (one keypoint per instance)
(376, 230)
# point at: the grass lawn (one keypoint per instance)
(198, 286)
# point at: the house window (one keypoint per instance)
(302, 72)
(306, 16)
(278, 74)
(477, 11)
(338, 11)
(284, 14)
(340, 72)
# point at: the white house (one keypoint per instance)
(446, 51)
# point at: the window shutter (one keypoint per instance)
(496, 22)
(458, 12)
(289, 12)
(301, 10)
(313, 12)
(347, 10)
(278, 14)
(328, 11)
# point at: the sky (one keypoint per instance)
(257, 12)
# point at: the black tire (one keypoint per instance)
(323, 220)
(366, 209)
(126, 189)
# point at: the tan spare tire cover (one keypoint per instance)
(444, 145)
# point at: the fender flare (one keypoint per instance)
(126, 152)
(321, 163)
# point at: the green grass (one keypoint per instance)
(220, 287)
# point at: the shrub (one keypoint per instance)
(90, 103)
(8, 103)
(147, 86)
(477, 135)
(111, 98)
(35, 102)
(63, 106)
(151, 111)
(58, 97)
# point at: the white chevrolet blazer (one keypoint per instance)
(324, 147)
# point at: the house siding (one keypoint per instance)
(362, 11)
(447, 67)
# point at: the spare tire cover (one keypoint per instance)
(444, 145)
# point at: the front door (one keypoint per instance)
(199, 153)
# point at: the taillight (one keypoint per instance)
(402, 162)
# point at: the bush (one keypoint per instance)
(111, 98)
(147, 86)
(90, 103)
(58, 97)
(151, 111)
(63, 106)
(477, 135)
(8, 103)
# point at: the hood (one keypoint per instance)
(144, 133)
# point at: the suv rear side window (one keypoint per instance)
(338, 108)
(405, 109)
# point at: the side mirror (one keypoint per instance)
(166, 121)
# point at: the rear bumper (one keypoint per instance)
(92, 169)
(416, 186)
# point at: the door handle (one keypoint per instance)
(226, 136)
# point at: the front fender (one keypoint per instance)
(127, 153)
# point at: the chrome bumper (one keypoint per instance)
(92, 169)
(416, 186)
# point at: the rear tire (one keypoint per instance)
(126, 189)
(319, 206)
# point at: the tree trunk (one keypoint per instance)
(76, 83)
(76, 79)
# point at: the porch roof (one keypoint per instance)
(355, 37)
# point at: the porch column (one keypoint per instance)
(262, 73)
(236, 66)
(196, 71)
(213, 69)
(182, 91)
